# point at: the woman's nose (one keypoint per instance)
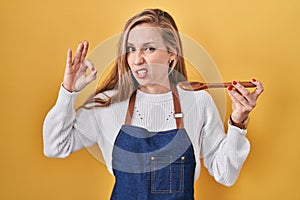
(139, 58)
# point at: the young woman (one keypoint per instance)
(151, 132)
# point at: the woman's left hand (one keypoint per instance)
(243, 102)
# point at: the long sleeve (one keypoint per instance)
(64, 130)
(223, 154)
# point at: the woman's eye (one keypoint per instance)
(130, 49)
(149, 49)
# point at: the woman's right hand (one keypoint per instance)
(75, 77)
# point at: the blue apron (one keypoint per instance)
(153, 165)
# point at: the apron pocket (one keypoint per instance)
(167, 176)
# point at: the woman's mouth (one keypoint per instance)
(141, 73)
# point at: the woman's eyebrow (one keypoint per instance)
(144, 44)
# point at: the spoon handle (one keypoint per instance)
(246, 84)
(201, 86)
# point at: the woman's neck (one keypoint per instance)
(154, 88)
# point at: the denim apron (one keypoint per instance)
(153, 165)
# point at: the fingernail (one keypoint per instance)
(229, 88)
(254, 80)
(234, 82)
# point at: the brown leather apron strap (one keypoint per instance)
(178, 115)
(177, 108)
(130, 109)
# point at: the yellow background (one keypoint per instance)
(257, 38)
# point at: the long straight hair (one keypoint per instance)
(121, 78)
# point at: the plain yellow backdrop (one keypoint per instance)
(258, 38)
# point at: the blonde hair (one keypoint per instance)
(120, 78)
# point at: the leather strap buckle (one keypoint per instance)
(178, 115)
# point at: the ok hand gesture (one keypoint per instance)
(75, 77)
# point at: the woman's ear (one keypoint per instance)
(173, 56)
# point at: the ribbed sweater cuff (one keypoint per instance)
(66, 98)
(235, 130)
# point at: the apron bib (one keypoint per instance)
(153, 165)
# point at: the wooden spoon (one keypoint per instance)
(194, 86)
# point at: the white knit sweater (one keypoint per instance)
(66, 131)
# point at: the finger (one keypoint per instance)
(69, 58)
(259, 88)
(231, 93)
(78, 54)
(90, 65)
(85, 50)
(86, 64)
(238, 98)
(82, 69)
(92, 76)
(233, 99)
(242, 90)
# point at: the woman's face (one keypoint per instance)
(147, 55)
